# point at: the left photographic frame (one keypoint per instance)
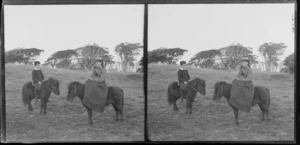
(73, 73)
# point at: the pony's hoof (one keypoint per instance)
(237, 123)
(30, 109)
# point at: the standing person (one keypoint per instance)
(183, 78)
(96, 90)
(37, 79)
(242, 91)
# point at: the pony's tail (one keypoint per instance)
(170, 98)
(24, 97)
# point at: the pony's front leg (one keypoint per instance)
(42, 105)
(90, 115)
(236, 115)
(187, 106)
(45, 106)
(191, 106)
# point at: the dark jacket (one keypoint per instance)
(37, 76)
(183, 75)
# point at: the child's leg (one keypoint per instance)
(182, 92)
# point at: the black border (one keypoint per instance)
(145, 2)
(2, 85)
(145, 67)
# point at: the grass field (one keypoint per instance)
(214, 121)
(67, 121)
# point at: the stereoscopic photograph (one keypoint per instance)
(221, 72)
(74, 73)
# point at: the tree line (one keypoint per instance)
(84, 56)
(229, 56)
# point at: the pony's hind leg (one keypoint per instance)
(268, 117)
(42, 106)
(236, 115)
(116, 110)
(262, 112)
(90, 114)
(121, 113)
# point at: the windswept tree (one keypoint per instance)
(87, 54)
(165, 55)
(232, 55)
(61, 59)
(127, 53)
(290, 62)
(205, 58)
(22, 55)
(270, 52)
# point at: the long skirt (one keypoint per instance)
(95, 95)
(242, 93)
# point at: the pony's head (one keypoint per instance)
(54, 86)
(218, 92)
(200, 85)
(72, 91)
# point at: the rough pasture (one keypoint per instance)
(214, 121)
(67, 121)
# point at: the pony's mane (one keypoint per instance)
(74, 83)
(219, 83)
(198, 79)
(51, 78)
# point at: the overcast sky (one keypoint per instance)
(60, 27)
(212, 26)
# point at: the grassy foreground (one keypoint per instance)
(67, 121)
(214, 121)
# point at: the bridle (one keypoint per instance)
(46, 87)
(193, 88)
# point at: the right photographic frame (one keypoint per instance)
(221, 72)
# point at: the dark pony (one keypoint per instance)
(261, 97)
(115, 97)
(194, 86)
(48, 86)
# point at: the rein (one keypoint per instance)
(193, 88)
(46, 87)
